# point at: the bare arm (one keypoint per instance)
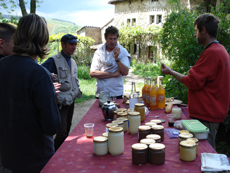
(104, 75)
(167, 70)
(124, 70)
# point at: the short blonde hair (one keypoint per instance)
(31, 36)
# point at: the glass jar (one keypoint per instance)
(147, 141)
(122, 114)
(127, 104)
(159, 130)
(100, 145)
(157, 154)
(105, 134)
(134, 122)
(130, 110)
(150, 124)
(109, 125)
(139, 107)
(177, 112)
(187, 151)
(184, 136)
(125, 120)
(183, 131)
(121, 110)
(120, 123)
(158, 122)
(143, 131)
(139, 154)
(116, 140)
(156, 137)
(196, 142)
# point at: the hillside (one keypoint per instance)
(56, 26)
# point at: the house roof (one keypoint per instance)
(115, 1)
(86, 27)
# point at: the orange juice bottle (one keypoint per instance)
(153, 95)
(148, 92)
(144, 90)
(161, 95)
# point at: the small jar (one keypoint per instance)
(114, 115)
(156, 137)
(120, 123)
(109, 125)
(159, 130)
(106, 134)
(158, 122)
(130, 110)
(125, 120)
(196, 142)
(157, 154)
(184, 136)
(134, 122)
(121, 110)
(100, 145)
(143, 131)
(139, 107)
(116, 140)
(187, 151)
(147, 141)
(127, 104)
(139, 154)
(122, 114)
(150, 124)
(183, 131)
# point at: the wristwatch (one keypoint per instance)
(118, 60)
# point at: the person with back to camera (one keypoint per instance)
(208, 80)
(110, 62)
(29, 115)
(65, 69)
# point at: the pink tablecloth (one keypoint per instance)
(76, 153)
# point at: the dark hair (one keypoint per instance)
(31, 36)
(210, 22)
(111, 30)
(6, 31)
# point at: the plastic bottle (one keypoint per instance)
(161, 94)
(154, 95)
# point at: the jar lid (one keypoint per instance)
(131, 110)
(139, 104)
(127, 102)
(156, 121)
(122, 113)
(192, 139)
(157, 146)
(147, 141)
(115, 112)
(111, 125)
(100, 139)
(150, 124)
(106, 134)
(153, 136)
(187, 144)
(139, 146)
(115, 129)
(185, 135)
(157, 127)
(121, 110)
(144, 127)
(183, 131)
(134, 113)
(119, 122)
(122, 119)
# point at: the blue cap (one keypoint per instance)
(69, 38)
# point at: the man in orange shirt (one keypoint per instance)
(209, 79)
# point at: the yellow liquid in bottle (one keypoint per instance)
(161, 97)
(144, 93)
(154, 98)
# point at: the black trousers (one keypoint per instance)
(66, 113)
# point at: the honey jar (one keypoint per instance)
(183, 131)
(150, 124)
(125, 120)
(196, 142)
(100, 145)
(139, 107)
(157, 154)
(156, 137)
(158, 122)
(184, 136)
(116, 140)
(134, 122)
(143, 131)
(159, 130)
(187, 151)
(120, 123)
(110, 125)
(147, 141)
(122, 114)
(139, 154)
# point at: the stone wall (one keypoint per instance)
(93, 32)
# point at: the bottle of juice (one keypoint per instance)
(161, 95)
(148, 92)
(144, 91)
(153, 95)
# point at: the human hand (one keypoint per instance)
(116, 52)
(54, 76)
(165, 69)
(56, 86)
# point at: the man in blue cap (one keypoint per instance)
(64, 69)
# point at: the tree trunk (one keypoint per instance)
(33, 6)
(23, 7)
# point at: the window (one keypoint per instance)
(154, 0)
(159, 18)
(133, 21)
(152, 19)
(128, 22)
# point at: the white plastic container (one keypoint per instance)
(134, 122)
(100, 145)
(116, 140)
(195, 127)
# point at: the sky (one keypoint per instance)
(81, 12)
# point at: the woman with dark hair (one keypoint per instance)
(29, 115)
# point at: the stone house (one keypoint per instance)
(139, 12)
